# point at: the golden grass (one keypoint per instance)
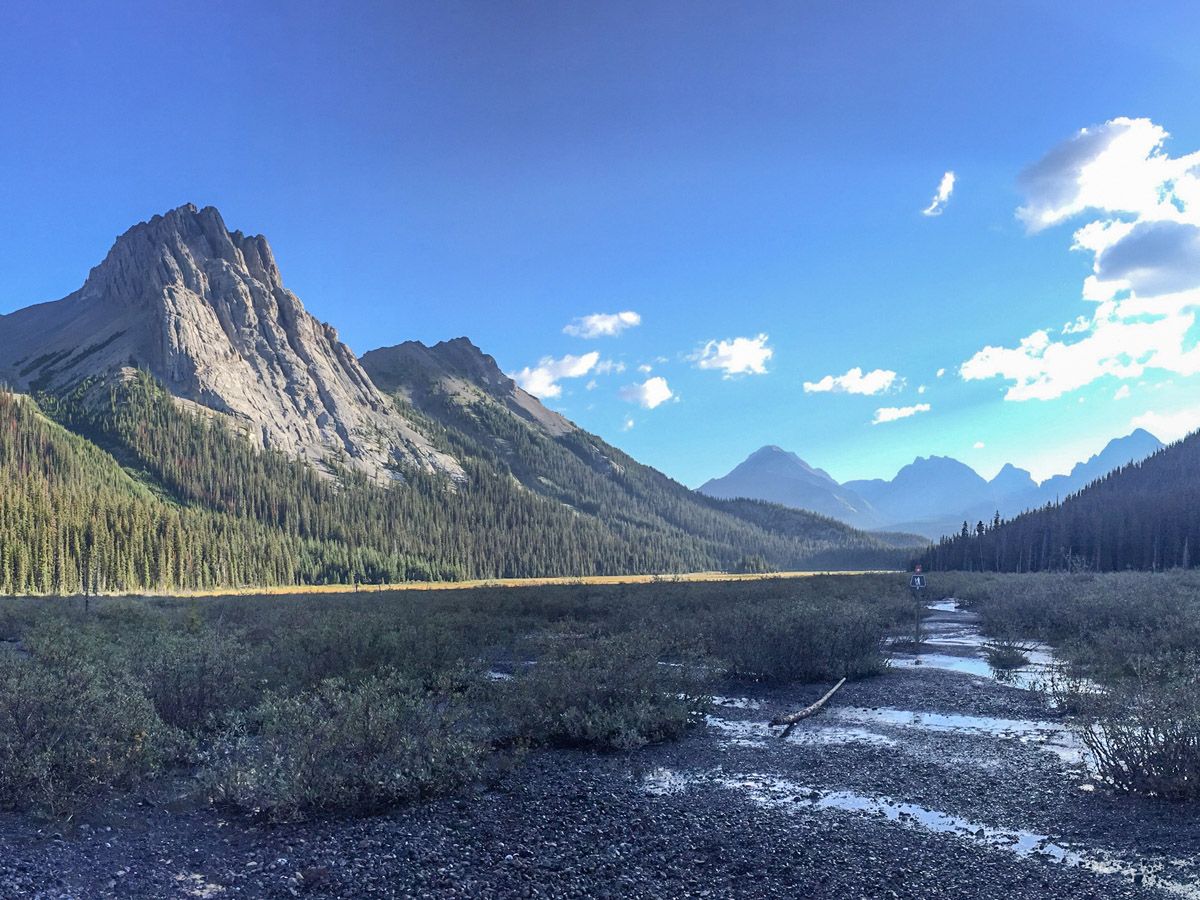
(493, 583)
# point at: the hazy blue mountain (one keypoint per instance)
(927, 488)
(932, 496)
(778, 476)
(1117, 453)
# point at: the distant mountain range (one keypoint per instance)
(1139, 516)
(932, 496)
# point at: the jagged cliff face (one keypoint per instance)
(205, 310)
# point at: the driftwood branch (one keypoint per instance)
(791, 719)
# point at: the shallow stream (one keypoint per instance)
(760, 767)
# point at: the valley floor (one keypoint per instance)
(923, 783)
(672, 578)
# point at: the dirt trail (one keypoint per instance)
(933, 781)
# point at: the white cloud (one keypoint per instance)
(942, 197)
(1122, 392)
(892, 413)
(542, 379)
(1043, 369)
(1169, 426)
(1143, 235)
(645, 368)
(979, 445)
(609, 367)
(1117, 167)
(921, 389)
(603, 324)
(941, 372)
(628, 424)
(855, 381)
(1080, 325)
(735, 356)
(650, 393)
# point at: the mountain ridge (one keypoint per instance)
(794, 483)
(932, 496)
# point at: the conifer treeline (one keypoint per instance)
(134, 493)
(1145, 515)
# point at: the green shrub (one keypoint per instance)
(68, 733)
(788, 640)
(1006, 655)
(193, 677)
(1144, 730)
(605, 694)
(193, 671)
(342, 747)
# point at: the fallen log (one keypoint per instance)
(791, 719)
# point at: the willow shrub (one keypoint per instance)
(603, 693)
(793, 640)
(70, 732)
(342, 747)
(1143, 730)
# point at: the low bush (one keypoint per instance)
(342, 748)
(1144, 730)
(790, 640)
(305, 704)
(1006, 655)
(1128, 677)
(606, 694)
(195, 677)
(70, 732)
(193, 671)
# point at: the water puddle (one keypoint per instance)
(1047, 736)
(943, 606)
(779, 793)
(952, 642)
(760, 734)
(736, 702)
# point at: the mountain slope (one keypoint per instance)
(1116, 453)
(204, 310)
(487, 417)
(777, 476)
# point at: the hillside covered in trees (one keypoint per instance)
(120, 489)
(1145, 515)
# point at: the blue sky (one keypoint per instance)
(502, 170)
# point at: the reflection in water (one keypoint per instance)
(955, 644)
(1047, 736)
(757, 734)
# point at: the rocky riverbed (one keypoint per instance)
(934, 780)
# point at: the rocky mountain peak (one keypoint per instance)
(205, 310)
(458, 369)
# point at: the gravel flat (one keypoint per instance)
(921, 783)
